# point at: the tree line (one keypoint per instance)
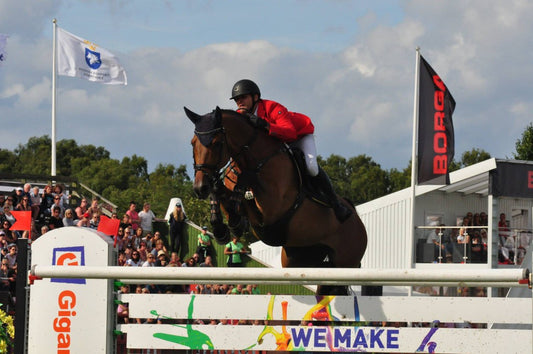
(358, 178)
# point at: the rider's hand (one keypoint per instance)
(258, 122)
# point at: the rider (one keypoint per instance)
(290, 127)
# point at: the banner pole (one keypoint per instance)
(54, 55)
(414, 162)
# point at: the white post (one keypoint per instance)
(54, 55)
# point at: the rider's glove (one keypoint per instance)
(258, 122)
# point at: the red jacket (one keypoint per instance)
(284, 125)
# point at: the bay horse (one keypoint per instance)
(231, 154)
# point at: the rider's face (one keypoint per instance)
(244, 102)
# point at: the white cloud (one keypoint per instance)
(360, 98)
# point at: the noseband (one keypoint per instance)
(212, 171)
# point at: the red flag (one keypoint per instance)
(22, 221)
(108, 226)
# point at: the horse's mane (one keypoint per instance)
(237, 115)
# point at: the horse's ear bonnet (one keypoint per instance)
(206, 126)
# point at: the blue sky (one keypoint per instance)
(349, 65)
(304, 25)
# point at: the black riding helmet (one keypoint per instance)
(244, 87)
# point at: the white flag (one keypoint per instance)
(3, 42)
(77, 57)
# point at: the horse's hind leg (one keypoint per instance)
(317, 256)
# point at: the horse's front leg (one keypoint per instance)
(220, 230)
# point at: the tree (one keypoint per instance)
(359, 179)
(524, 145)
(469, 158)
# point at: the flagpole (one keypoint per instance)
(54, 56)
(414, 162)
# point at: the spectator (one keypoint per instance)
(237, 290)
(94, 208)
(55, 220)
(234, 250)
(24, 204)
(135, 260)
(138, 237)
(150, 260)
(483, 218)
(204, 245)
(35, 202)
(175, 260)
(7, 216)
(143, 252)
(44, 229)
(81, 209)
(208, 262)
(17, 195)
(95, 220)
(146, 218)
(159, 245)
(10, 235)
(162, 260)
(189, 262)
(128, 237)
(120, 239)
(476, 248)
(503, 228)
(463, 236)
(125, 222)
(57, 204)
(134, 216)
(47, 199)
(11, 256)
(68, 220)
(121, 259)
(9, 203)
(122, 308)
(177, 222)
(148, 241)
(84, 221)
(63, 198)
(4, 275)
(3, 244)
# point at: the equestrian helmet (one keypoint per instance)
(244, 87)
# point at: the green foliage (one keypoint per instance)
(469, 158)
(524, 145)
(358, 178)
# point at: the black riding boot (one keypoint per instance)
(341, 211)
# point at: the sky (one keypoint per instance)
(349, 65)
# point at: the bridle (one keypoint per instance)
(211, 171)
(216, 173)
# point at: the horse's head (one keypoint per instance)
(209, 148)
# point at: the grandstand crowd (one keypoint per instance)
(137, 244)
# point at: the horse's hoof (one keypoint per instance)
(222, 240)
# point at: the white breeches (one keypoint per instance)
(308, 147)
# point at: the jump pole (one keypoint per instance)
(302, 276)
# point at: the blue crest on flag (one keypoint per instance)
(92, 59)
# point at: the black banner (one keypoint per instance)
(435, 127)
(513, 180)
